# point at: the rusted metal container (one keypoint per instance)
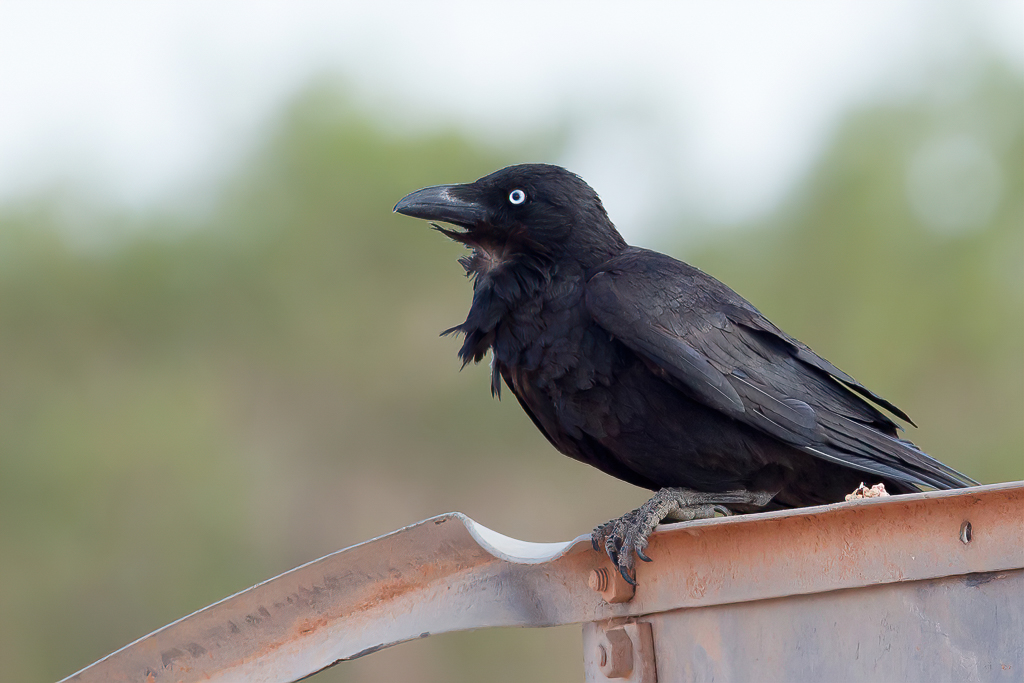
(924, 587)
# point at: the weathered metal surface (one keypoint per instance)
(449, 573)
(848, 545)
(959, 628)
(443, 574)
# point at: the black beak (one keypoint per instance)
(439, 203)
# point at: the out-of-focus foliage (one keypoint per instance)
(191, 410)
(203, 403)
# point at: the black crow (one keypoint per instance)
(652, 371)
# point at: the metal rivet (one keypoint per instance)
(965, 533)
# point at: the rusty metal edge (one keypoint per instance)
(437, 576)
(845, 545)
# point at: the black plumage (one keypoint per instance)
(653, 371)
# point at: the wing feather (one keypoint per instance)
(714, 346)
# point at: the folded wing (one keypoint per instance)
(711, 344)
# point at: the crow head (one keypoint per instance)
(537, 211)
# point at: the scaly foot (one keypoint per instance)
(625, 538)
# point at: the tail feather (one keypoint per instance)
(870, 450)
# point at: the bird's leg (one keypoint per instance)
(626, 537)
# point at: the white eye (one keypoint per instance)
(517, 196)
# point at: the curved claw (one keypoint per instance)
(611, 547)
(626, 576)
(640, 553)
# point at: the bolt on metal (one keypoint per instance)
(610, 584)
(615, 654)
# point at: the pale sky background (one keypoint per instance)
(712, 108)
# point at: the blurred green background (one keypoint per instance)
(219, 395)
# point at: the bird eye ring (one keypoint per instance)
(517, 196)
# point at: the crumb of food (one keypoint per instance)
(876, 491)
